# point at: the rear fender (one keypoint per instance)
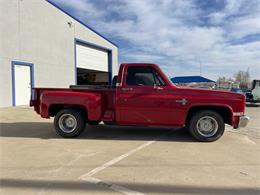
(90, 101)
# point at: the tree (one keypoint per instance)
(243, 77)
(225, 83)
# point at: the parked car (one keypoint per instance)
(205, 87)
(237, 90)
(253, 95)
(141, 95)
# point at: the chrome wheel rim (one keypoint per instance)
(207, 126)
(67, 123)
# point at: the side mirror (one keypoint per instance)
(157, 87)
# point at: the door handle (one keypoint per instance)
(127, 89)
(158, 88)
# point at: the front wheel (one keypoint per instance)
(69, 123)
(206, 126)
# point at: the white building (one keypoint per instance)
(43, 46)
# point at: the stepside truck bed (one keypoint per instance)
(97, 99)
(92, 87)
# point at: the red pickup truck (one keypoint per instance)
(141, 95)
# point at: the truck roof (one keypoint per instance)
(139, 64)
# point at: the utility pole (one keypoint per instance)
(200, 68)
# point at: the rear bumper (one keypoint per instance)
(242, 121)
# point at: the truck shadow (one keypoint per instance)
(75, 187)
(99, 132)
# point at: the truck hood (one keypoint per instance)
(210, 93)
(206, 97)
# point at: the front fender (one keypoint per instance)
(213, 106)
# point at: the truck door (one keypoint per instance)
(142, 99)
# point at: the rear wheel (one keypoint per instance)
(206, 126)
(69, 123)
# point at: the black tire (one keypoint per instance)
(63, 129)
(213, 133)
(93, 122)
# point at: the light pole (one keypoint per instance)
(200, 68)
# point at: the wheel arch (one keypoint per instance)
(222, 110)
(55, 108)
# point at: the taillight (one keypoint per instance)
(34, 94)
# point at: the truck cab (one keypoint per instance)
(141, 95)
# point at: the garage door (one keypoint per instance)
(91, 58)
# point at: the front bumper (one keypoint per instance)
(243, 121)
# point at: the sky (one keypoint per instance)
(179, 35)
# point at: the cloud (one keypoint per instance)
(179, 35)
(81, 8)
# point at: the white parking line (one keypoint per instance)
(115, 160)
(88, 176)
(53, 172)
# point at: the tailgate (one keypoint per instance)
(35, 99)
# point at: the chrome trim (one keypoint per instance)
(67, 123)
(243, 121)
(122, 76)
(207, 126)
(238, 113)
(183, 101)
(127, 89)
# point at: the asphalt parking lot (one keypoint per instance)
(125, 160)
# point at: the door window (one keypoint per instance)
(143, 76)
